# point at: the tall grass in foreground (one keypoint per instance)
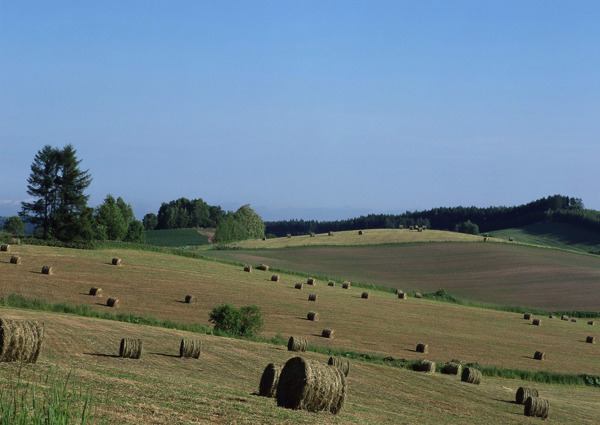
(52, 400)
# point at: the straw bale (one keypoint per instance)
(403, 295)
(117, 261)
(471, 375)
(330, 234)
(297, 344)
(190, 348)
(590, 340)
(263, 267)
(15, 259)
(525, 392)
(16, 241)
(311, 281)
(313, 315)
(452, 368)
(96, 292)
(342, 363)
(112, 302)
(539, 355)
(346, 285)
(275, 278)
(331, 283)
(312, 234)
(537, 407)
(573, 320)
(591, 322)
(298, 285)
(426, 366)
(20, 340)
(47, 270)
(269, 381)
(365, 295)
(327, 333)
(131, 348)
(537, 322)
(527, 316)
(564, 317)
(5, 248)
(312, 297)
(248, 268)
(360, 232)
(422, 348)
(190, 299)
(418, 295)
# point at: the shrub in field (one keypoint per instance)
(245, 321)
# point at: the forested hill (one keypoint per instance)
(553, 208)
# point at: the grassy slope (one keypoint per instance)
(175, 237)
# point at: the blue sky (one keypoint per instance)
(324, 109)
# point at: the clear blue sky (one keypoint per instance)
(306, 109)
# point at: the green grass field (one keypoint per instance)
(176, 238)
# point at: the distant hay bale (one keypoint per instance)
(523, 393)
(311, 281)
(591, 339)
(399, 291)
(16, 241)
(331, 283)
(312, 297)
(486, 235)
(420, 229)
(297, 344)
(5, 248)
(275, 278)
(426, 366)
(312, 234)
(537, 407)
(564, 317)
(289, 235)
(511, 239)
(47, 270)
(269, 381)
(412, 228)
(365, 295)
(403, 295)
(248, 269)
(485, 239)
(330, 234)
(573, 320)
(15, 259)
(527, 316)
(400, 226)
(537, 322)
(551, 316)
(117, 261)
(263, 267)
(418, 295)
(539, 355)
(190, 348)
(96, 292)
(422, 348)
(346, 285)
(327, 333)
(190, 299)
(264, 238)
(313, 315)
(451, 368)
(471, 375)
(360, 232)
(591, 322)
(298, 285)
(131, 348)
(112, 302)
(20, 340)
(342, 363)
(309, 385)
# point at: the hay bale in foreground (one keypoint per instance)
(47, 270)
(471, 375)
(422, 348)
(327, 333)
(275, 278)
(537, 322)
(523, 393)
(117, 261)
(451, 368)
(190, 299)
(403, 295)
(537, 407)
(5, 248)
(346, 285)
(312, 315)
(131, 348)
(426, 366)
(248, 268)
(269, 381)
(312, 297)
(297, 344)
(298, 285)
(539, 355)
(342, 363)
(564, 317)
(311, 281)
(190, 348)
(331, 283)
(263, 267)
(20, 340)
(15, 259)
(95, 292)
(590, 340)
(112, 302)
(365, 295)
(418, 295)
(527, 316)
(309, 385)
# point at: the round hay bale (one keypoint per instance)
(312, 234)
(418, 295)
(360, 232)
(485, 239)
(298, 285)
(20, 340)
(297, 344)
(523, 393)
(309, 385)
(346, 285)
(511, 239)
(551, 317)
(264, 238)
(590, 340)
(269, 381)
(112, 302)
(573, 320)
(537, 407)
(591, 322)
(16, 241)
(47, 270)
(311, 281)
(403, 296)
(426, 366)
(411, 228)
(15, 259)
(365, 295)
(263, 267)
(190, 348)
(330, 234)
(564, 317)
(399, 291)
(420, 229)
(527, 316)
(96, 292)
(312, 297)
(190, 299)
(248, 269)
(289, 235)
(5, 248)
(116, 261)
(39, 332)
(342, 363)
(313, 315)
(422, 348)
(327, 333)
(131, 348)
(451, 368)
(331, 283)
(471, 375)
(537, 322)
(539, 355)
(275, 278)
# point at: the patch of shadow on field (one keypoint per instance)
(177, 356)
(505, 401)
(34, 272)
(102, 355)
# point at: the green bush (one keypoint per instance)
(246, 321)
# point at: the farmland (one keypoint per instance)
(176, 237)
